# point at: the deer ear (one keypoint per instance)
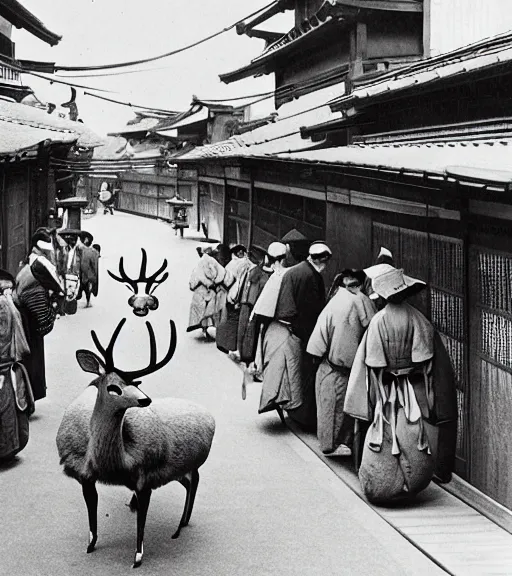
(89, 362)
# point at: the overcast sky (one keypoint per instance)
(109, 31)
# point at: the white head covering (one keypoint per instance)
(276, 249)
(378, 269)
(318, 249)
(395, 282)
(385, 252)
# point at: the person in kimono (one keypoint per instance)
(402, 383)
(36, 286)
(89, 269)
(250, 287)
(16, 400)
(334, 343)
(209, 283)
(289, 373)
(227, 330)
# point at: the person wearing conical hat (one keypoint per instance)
(297, 247)
(402, 379)
(288, 379)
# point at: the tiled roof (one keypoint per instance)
(278, 136)
(23, 127)
(143, 125)
(198, 116)
(329, 12)
(18, 15)
(485, 54)
(487, 155)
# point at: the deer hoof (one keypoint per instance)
(138, 560)
(93, 538)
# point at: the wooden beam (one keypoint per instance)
(389, 6)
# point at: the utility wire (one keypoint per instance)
(130, 105)
(260, 98)
(51, 80)
(161, 56)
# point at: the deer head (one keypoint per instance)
(141, 303)
(122, 384)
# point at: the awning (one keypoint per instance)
(470, 161)
(23, 127)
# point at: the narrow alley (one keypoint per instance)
(266, 503)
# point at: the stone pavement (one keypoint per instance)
(266, 503)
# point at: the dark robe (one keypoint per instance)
(88, 272)
(301, 299)
(248, 330)
(38, 316)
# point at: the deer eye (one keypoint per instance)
(114, 390)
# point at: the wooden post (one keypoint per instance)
(251, 208)
(427, 6)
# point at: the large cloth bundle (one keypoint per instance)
(400, 380)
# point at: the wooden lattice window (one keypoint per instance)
(495, 300)
(439, 261)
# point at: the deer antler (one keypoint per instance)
(153, 366)
(108, 352)
(149, 280)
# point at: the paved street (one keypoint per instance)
(266, 504)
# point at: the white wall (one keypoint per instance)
(456, 23)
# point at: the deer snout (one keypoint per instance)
(143, 304)
(143, 402)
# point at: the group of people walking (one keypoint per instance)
(359, 365)
(59, 269)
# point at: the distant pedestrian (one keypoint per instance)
(289, 378)
(89, 270)
(36, 286)
(334, 343)
(226, 336)
(107, 199)
(209, 283)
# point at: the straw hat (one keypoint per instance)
(394, 283)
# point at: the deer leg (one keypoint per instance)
(91, 501)
(193, 490)
(143, 498)
(185, 481)
(133, 504)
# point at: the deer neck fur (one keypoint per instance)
(106, 453)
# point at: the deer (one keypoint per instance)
(113, 433)
(141, 303)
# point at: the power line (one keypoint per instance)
(161, 56)
(51, 80)
(233, 99)
(130, 105)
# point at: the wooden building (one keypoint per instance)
(417, 160)
(31, 139)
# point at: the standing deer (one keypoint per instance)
(114, 434)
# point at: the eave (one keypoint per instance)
(20, 17)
